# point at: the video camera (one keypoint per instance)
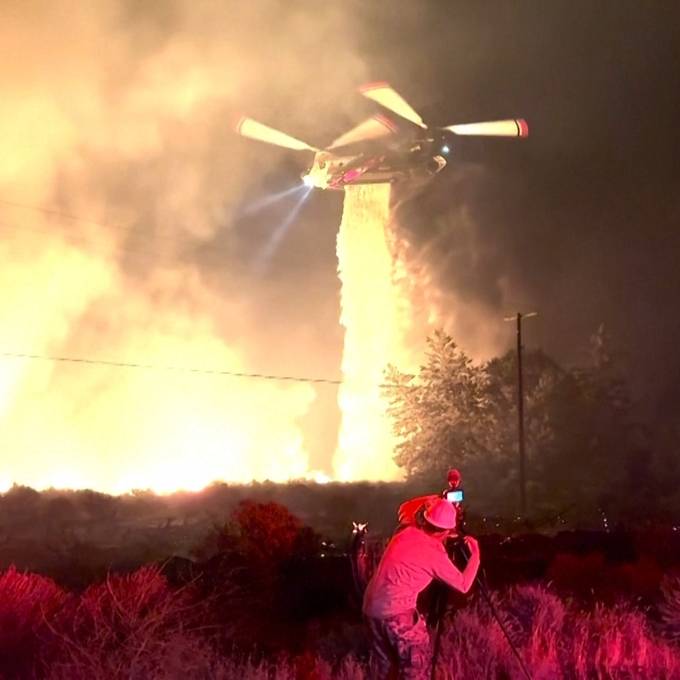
(454, 494)
(411, 512)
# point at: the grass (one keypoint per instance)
(138, 626)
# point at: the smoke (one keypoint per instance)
(119, 114)
(453, 271)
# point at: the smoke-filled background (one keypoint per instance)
(131, 231)
(122, 115)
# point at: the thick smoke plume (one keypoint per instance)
(452, 270)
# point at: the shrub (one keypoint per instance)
(26, 601)
(554, 639)
(268, 533)
(129, 626)
(670, 606)
(618, 643)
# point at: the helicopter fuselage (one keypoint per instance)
(378, 164)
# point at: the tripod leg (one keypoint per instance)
(487, 598)
(436, 643)
(444, 615)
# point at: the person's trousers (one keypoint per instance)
(401, 641)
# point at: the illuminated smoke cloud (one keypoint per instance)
(120, 113)
(453, 273)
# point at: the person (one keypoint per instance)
(408, 511)
(413, 558)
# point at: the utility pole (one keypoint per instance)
(520, 412)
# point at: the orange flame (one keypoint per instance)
(114, 429)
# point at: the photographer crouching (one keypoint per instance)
(413, 558)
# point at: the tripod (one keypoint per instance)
(440, 604)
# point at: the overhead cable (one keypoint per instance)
(181, 369)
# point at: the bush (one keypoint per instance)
(130, 626)
(137, 626)
(670, 606)
(555, 640)
(592, 576)
(26, 602)
(272, 560)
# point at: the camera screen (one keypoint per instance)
(455, 496)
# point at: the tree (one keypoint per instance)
(450, 415)
(269, 534)
(580, 434)
(264, 551)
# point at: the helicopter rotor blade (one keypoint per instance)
(512, 127)
(247, 127)
(386, 96)
(372, 128)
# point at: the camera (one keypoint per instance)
(454, 495)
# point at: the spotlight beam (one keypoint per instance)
(265, 201)
(281, 230)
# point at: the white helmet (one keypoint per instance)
(440, 513)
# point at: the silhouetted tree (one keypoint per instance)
(268, 533)
(442, 414)
(265, 551)
(581, 438)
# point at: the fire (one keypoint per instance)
(125, 155)
(375, 316)
(131, 138)
(114, 428)
(111, 428)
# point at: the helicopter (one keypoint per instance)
(381, 149)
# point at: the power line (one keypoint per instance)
(87, 245)
(55, 213)
(143, 243)
(119, 248)
(185, 369)
(133, 228)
